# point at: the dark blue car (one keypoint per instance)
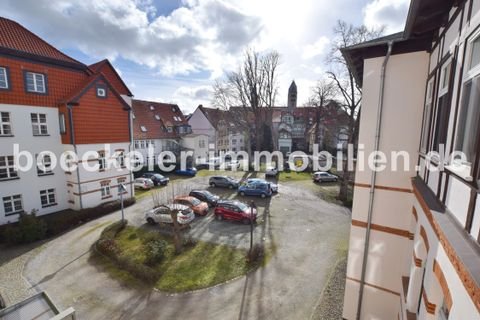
(191, 172)
(255, 189)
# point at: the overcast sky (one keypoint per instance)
(173, 50)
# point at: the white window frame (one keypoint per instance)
(4, 73)
(38, 80)
(121, 158)
(9, 168)
(101, 92)
(102, 161)
(46, 161)
(62, 123)
(47, 194)
(105, 189)
(5, 126)
(39, 125)
(143, 128)
(15, 202)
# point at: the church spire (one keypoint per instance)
(292, 96)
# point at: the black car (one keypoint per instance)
(205, 196)
(223, 181)
(157, 178)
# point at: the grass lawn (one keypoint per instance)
(200, 265)
(294, 176)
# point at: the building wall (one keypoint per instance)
(30, 183)
(201, 125)
(390, 239)
(192, 142)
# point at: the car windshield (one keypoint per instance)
(159, 176)
(207, 194)
(242, 206)
(195, 202)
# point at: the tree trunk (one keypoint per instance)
(177, 235)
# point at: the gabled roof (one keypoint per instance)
(75, 95)
(18, 41)
(155, 117)
(213, 115)
(107, 68)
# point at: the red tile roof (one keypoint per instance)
(145, 113)
(111, 74)
(16, 38)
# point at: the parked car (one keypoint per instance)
(205, 196)
(157, 178)
(143, 183)
(273, 186)
(234, 210)
(162, 214)
(231, 165)
(324, 177)
(223, 181)
(255, 188)
(198, 207)
(191, 172)
(271, 171)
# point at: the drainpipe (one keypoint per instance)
(72, 140)
(130, 147)
(373, 179)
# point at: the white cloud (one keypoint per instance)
(315, 49)
(388, 13)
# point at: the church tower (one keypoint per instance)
(292, 97)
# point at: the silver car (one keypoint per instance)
(143, 183)
(162, 214)
(324, 177)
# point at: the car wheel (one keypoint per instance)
(230, 186)
(150, 221)
(213, 185)
(242, 194)
(335, 180)
(246, 221)
(219, 217)
(263, 195)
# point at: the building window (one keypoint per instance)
(13, 204)
(170, 129)
(105, 189)
(47, 198)
(44, 165)
(426, 116)
(7, 168)
(143, 128)
(443, 109)
(4, 78)
(101, 91)
(137, 144)
(61, 122)
(39, 124)
(5, 124)
(35, 82)
(102, 162)
(201, 143)
(121, 158)
(142, 144)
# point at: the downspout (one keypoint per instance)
(72, 140)
(130, 147)
(373, 179)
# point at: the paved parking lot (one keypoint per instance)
(306, 231)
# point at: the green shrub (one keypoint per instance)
(108, 247)
(155, 252)
(111, 231)
(28, 229)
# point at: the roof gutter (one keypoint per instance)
(373, 178)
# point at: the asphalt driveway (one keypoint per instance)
(306, 231)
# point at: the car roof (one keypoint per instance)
(189, 198)
(176, 206)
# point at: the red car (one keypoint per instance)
(234, 210)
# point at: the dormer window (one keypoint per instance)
(157, 117)
(174, 109)
(170, 129)
(152, 107)
(4, 78)
(133, 116)
(143, 128)
(35, 82)
(101, 91)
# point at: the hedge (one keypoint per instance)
(56, 223)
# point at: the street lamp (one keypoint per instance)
(122, 189)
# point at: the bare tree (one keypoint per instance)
(346, 35)
(322, 93)
(253, 88)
